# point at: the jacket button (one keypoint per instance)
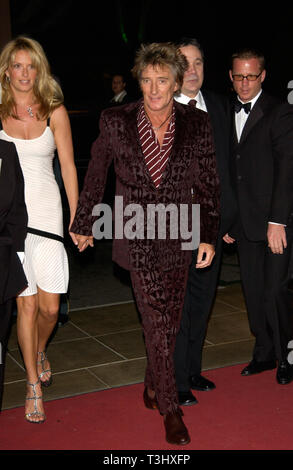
(239, 177)
(238, 157)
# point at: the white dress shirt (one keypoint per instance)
(118, 98)
(241, 117)
(200, 104)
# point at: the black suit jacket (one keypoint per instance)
(262, 167)
(13, 222)
(126, 99)
(219, 112)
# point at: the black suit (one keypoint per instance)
(262, 176)
(13, 222)
(202, 283)
(126, 99)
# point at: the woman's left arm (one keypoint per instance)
(60, 125)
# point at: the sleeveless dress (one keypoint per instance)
(45, 263)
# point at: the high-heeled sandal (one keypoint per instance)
(48, 382)
(36, 412)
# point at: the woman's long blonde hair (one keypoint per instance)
(47, 91)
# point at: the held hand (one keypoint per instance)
(83, 241)
(205, 255)
(228, 239)
(73, 237)
(277, 240)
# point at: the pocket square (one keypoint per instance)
(0, 164)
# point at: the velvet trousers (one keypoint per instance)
(159, 296)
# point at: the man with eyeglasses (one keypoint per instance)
(262, 177)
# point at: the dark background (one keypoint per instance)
(86, 41)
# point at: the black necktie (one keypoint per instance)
(238, 106)
(192, 103)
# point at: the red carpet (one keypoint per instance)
(243, 413)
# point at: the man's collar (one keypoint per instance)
(119, 96)
(253, 101)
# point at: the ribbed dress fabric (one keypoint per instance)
(46, 263)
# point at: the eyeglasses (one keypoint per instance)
(251, 78)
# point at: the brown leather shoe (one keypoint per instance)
(176, 431)
(150, 403)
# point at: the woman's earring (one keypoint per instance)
(7, 78)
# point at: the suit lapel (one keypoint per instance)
(234, 137)
(178, 139)
(211, 108)
(134, 140)
(254, 116)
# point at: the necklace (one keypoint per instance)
(29, 109)
(161, 125)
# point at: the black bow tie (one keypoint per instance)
(238, 106)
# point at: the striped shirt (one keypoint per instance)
(156, 157)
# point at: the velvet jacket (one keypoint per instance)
(191, 165)
(13, 222)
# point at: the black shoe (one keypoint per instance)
(198, 382)
(284, 373)
(186, 398)
(255, 367)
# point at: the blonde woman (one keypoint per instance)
(34, 119)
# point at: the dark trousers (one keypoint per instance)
(159, 296)
(199, 297)
(5, 319)
(265, 278)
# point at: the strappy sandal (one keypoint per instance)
(36, 412)
(48, 382)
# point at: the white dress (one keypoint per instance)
(45, 262)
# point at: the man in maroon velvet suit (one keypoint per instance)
(163, 151)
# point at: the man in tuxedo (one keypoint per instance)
(202, 283)
(262, 175)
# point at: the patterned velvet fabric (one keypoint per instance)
(159, 296)
(191, 165)
(158, 267)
